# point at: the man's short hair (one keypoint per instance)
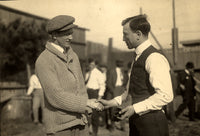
(119, 63)
(138, 22)
(90, 60)
(189, 65)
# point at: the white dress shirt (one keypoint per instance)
(159, 76)
(58, 47)
(96, 81)
(119, 80)
(33, 84)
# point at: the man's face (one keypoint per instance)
(92, 65)
(63, 39)
(191, 70)
(104, 70)
(129, 37)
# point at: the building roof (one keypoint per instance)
(191, 42)
(22, 13)
(32, 15)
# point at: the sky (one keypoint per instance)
(103, 17)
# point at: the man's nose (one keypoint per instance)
(70, 37)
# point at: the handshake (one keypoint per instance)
(95, 104)
(119, 114)
(101, 104)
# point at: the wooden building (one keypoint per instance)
(8, 15)
(190, 51)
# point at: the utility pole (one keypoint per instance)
(174, 36)
(158, 43)
(110, 57)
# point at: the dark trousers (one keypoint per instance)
(150, 124)
(108, 112)
(38, 101)
(94, 120)
(73, 131)
(190, 103)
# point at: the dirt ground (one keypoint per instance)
(181, 127)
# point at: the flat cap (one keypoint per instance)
(60, 23)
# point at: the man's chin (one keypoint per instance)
(67, 45)
(129, 47)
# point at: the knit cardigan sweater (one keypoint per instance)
(65, 93)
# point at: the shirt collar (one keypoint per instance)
(59, 52)
(186, 71)
(57, 47)
(142, 47)
(117, 68)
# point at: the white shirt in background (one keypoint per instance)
(33, 84)
(119, 80)
(96, 81)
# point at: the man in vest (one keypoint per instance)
(149, 85)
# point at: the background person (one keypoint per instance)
(38, 97)
(95, 84)
(187, 84)
(116, 84)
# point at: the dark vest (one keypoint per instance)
(140, 87)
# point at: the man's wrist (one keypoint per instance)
(118, 100)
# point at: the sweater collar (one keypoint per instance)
(66, 57)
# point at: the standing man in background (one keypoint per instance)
(187, 89)
(150, 83)
(38, 97)
(65, 95)
(95, 84)
(116, 86)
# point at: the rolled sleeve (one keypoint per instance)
(159, 76)
(101, 83)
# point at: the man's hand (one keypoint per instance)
(94, 104)
(108, 103)
(99, 97)
(126, 112)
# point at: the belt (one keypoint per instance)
(152, 111)
(92, 89)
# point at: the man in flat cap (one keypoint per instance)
(59, 71)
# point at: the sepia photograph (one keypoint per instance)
(99, 68)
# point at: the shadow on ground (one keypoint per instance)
(181, 127)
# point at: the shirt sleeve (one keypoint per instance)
(120, 99)
(31, 85)
(101, 82)
(159, 76)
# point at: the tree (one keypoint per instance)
(21, 44)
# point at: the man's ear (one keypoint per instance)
(54, 35)
(139, 33)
